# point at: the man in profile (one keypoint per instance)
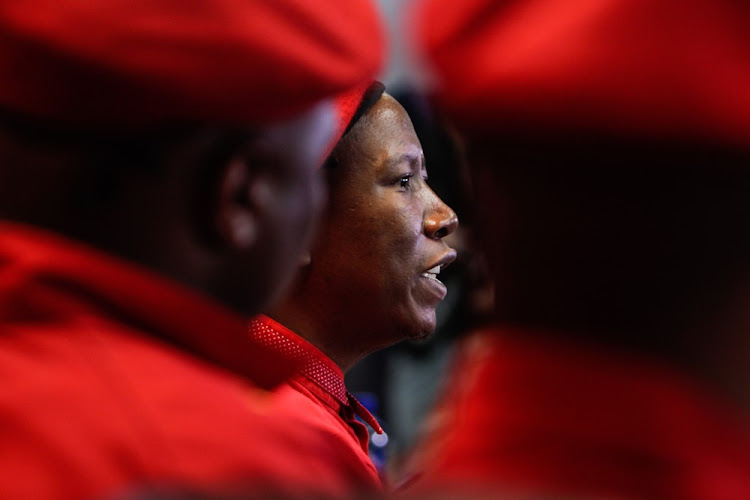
(609, 143)
(157, 183)
(371, 277)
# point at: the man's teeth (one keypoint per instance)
(432, 273)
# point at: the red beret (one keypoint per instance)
(676, 69)
(351, 105)
(345, 106)
(141, 61)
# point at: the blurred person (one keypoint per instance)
(609, 144)
(371, 278)
(157, 183)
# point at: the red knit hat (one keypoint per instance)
(671, 69)
(145, 61)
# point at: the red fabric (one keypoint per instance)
(233, 61)
(318, 395)
(345, 106)
(529, 415)
(318, 412)
(97, 397)
(672, 68)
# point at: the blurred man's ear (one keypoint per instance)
(241, 194)
(305, 259)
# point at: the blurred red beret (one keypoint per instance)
(672, 69)
(146, 61)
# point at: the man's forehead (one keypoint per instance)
(388, 119)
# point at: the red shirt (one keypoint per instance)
(546, 417)
(319, 397)
(114, 379)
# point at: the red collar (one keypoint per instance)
(44, 276)
(313, 363)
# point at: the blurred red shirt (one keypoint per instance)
(532, 415)
(114, 379)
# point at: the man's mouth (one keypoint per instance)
(433, 273)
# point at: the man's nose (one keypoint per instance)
(440, 220)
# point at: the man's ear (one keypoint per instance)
(239, 204)
(305, 259)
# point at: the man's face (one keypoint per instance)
(380, 249)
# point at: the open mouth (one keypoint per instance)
(433, 273)
(438, 265)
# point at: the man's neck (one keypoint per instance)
(335, 340)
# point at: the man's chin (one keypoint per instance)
(425, 328)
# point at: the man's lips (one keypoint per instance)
(434, 270)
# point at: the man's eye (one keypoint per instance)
(403, 182)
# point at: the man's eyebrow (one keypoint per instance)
(410, 158)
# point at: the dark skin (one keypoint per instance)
(227, 212)
(366, 285)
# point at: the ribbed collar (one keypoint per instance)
(44, 276)
(313, 364)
